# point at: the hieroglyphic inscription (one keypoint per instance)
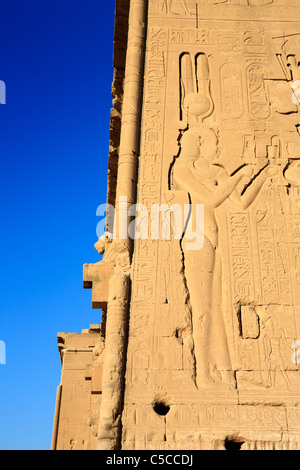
(274, 259)
(232, 90)
(240, 253)
(259, 102)
(193, 36)
(146, 250)
(186, 8)
(267, 263)
(153, 114)
(293, 227)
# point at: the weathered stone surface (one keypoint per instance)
(201, 348)
(80, 391)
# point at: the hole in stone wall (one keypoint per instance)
(178, 333)
(161, 408)
(233, 443)
(239, 318)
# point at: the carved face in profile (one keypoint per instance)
(292, 173)
(101, 244)
(199, 143)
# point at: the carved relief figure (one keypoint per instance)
(274, 340)
(115, 252)
(197, 172)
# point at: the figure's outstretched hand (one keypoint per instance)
(247, 170)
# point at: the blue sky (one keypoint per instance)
(56, 62)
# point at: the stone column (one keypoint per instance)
(109, 433)
(131, 111)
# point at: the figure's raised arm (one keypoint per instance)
(250, 193)
(214, 198)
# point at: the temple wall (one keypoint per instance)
(201, 307)
(227, 67)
